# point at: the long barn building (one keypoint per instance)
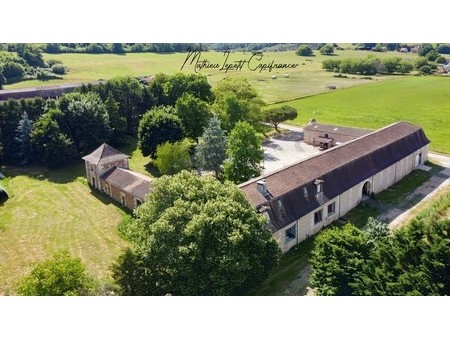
(301, 199)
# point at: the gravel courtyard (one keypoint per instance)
(286, 149)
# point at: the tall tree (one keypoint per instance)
(236, 100)
(414, 261)
(196, 236)
(193, 113)
(118, 122)
(83, 117)
(278, 115)
(51, 146)
(61, 275)
(244, 154)
(167, 89)
(23, 133)
(338, 256)
(156, 127)
(211, 149)
(128, 93)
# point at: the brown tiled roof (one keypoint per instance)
(132, 182)
(328, 128)
(341, 168)
(105, 151)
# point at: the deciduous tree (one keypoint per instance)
(278, 115)
(236, 100)
(171, 158)
(193, 113)
(196, 236)
(244, 154)
(83, 117)
(338, 256)
(304, 50)
(51, 146)
(326, 50)
(61, 275)
(156, 127)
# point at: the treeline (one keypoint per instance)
(169, 115)
(25, 62)
(104, 48)
(76, 123)
(414, 260)
(370, 65)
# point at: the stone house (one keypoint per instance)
(327, 136)
(107, 170)
(301, 199)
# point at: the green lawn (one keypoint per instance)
(52, 210)
(307, 79)
(424, 101)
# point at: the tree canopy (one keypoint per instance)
(327, 49)
(171, 158)
(61, 275)
(278, 115)
(236, 100)
(244, 152)
(304, 50)
(211, 149)
(338, 256)
(156, 127)
(84, 118)
(193, 113)
(414, 260)
(196, 236)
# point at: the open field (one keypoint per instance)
(306, 79)
(52, 211)
(424, 101)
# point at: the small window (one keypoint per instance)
(318, 217)
(331, 208)
(290, 234)
(122, 199)
(138, 202)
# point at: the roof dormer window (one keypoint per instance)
(319, 186)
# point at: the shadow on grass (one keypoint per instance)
(66, 174)
(152, 170)
(107, 200)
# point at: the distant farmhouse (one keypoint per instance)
(107, 170)
(301, 199)
(326, 136)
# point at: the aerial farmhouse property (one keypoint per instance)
(299, 200)
(107, 170)
(302, 198)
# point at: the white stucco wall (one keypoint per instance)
(349, 199)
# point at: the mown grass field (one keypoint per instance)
(424, 101)
(306, 79)
(52, 210)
